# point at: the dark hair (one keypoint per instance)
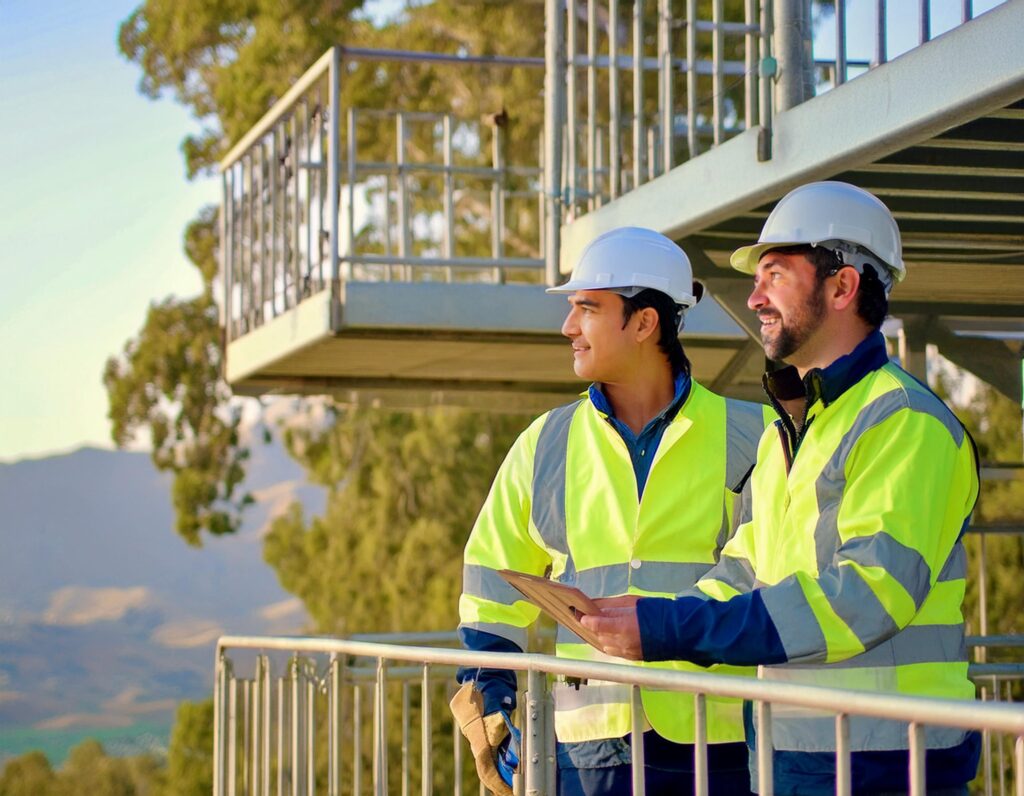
(872, 303)
(668, 325)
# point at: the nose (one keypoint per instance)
(571, 325)
(756, 299)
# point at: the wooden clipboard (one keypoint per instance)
(562, 603)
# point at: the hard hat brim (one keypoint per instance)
(574, 285)
(746, 258)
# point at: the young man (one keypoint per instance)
(851, 572)
(627, 491)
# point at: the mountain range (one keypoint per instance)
(107, 617)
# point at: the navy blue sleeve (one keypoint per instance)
(737, 631)
(498, 686)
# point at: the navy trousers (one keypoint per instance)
(594, 768)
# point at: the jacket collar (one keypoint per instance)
(830, 382)
(682, 387)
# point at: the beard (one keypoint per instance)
(789, 335)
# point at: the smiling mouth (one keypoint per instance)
(767, 321)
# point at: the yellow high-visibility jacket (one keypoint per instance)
(564, 502)
(854, 547)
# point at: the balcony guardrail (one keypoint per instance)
(266, 728)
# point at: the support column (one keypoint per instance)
(793, 49)
(913, 347)
(554, 114)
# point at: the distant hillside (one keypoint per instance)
(107, 618)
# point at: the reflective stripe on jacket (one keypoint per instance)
(565, 503)
(855, 544)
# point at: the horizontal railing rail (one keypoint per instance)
(252, 757)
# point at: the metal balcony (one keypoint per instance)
(417, 276)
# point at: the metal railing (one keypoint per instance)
(303, 206)
(269, 730)
(692, 85)
(880, 17)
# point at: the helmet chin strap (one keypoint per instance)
(682, 318)
(858, 257)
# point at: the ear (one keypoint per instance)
(844, 288)
(647, 323)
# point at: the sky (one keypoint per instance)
(93, 203)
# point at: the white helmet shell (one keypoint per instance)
(637, 258)
(824, 213)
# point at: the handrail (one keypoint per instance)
(944, 712)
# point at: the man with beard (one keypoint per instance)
(628, 490)
(850, 572)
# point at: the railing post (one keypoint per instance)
(667, 93)
(793, 47)
(637, 740)
(426, 736)
(219, 716)
(334, 174)
(405, 737)
(692, 138)
(404, 221)
(1019, 765)
(535, 735)
(750, 51)
(765, 775)
(311, 732)
(350, 211)
(614, 109)
(592, 189)
(918, 784)
(718, 75)
(334, 728)
(298, 700)
(448, 231)
(700, 745)
(571, 101)
(639, 137)
(554, 112)
(281, 714)
(232, 724)
(380, 735)
(844, 777)
(225, 249)
(357, 739)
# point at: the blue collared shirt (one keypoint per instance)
(644, 445)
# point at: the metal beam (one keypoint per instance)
(990, 360)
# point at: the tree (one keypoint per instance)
(189, 761)
(28, 775)
(404, 489)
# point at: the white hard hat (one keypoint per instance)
(838, 216)
(630, 259)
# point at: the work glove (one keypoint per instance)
(493, 739)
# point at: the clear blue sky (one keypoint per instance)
(93, 201)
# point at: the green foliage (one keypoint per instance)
(28, 775)
(404, 490)
(88, 771)
(189, 756)
(167, 381)
(228, 61)
(995, 423)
